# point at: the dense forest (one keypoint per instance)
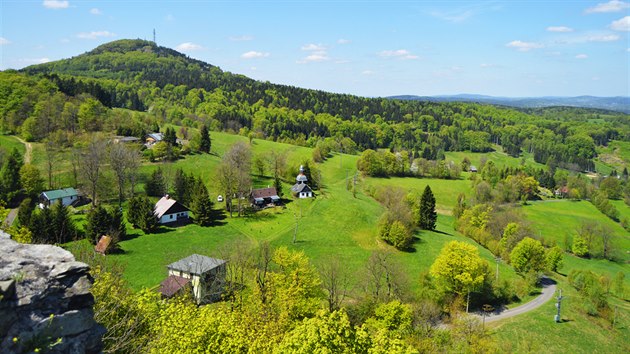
(81, 93)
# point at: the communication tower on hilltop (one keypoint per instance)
(154, 36)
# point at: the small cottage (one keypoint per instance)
(204, 275)
(264, 197)
(153, 138)
(66, 196)
(472, 168)
(300, 189)
(169, 210)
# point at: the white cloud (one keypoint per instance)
(622, 24)
(319, 53)
(488, 66)
(611, 6)
(95, 34)
(367, 72)
(95, 11)
(56, 4)
(241, 38)
(400, 53)
(581, 56)
(169, 18)
(253, 55)
(559, 29)
(313, 47)
(524, 46)
(4, 41)
(315, 57)
(188, 47)
(343, 41)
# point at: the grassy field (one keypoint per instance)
(9, 142)
(336, 225)
(536, 331)
(556, 219)
(498, 157)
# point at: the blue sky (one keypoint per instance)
(368, 48)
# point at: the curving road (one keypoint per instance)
(548, 291)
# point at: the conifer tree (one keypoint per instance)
(428, 216)
(156, 187)
(205, 143)
(141, 214)
(201, 204)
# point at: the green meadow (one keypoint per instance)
(338, 225)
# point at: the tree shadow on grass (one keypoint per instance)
(218, 217)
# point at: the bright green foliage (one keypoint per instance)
(528, 256)
(399, 236)
(31, 180)
(91, 115)
(459, 268)
(388, 328)
(579, 247)
(553, 258)
(296, 285)
(21, 235)
(327, 332)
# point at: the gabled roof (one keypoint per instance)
(60, 193)
(168, 205)
(155, 136)
(196, 264)
(301, 187)
(265, 193)
(172, 284)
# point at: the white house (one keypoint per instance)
(300, 189)
(66, 196)
(205, 275)
(168, 210)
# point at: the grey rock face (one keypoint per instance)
(45, 301)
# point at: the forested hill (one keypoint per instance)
(77, 95)
(619, 103)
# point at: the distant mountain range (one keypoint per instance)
(619, 103)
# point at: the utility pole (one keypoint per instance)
(558, 305)
(497, 276)
(154, 36)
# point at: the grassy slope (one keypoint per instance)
(536, 332)
(9, 142)
(337, 225)
(557, 218)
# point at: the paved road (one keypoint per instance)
(548, 291)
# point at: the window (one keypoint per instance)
(171, 216)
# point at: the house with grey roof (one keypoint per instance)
(300, 189)
(66, 196)
(205, 276)
(169, 210)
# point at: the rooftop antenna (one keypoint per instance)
(154, 36)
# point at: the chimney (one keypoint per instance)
(166, 196)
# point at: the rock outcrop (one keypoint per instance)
(45, 301)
